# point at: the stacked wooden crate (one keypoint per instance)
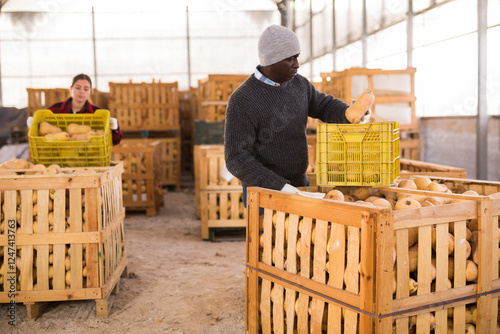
(62, 236)
(213, 94)
(219, 203)
(151, 110)
(320, 265)
(43, 98)
(142, 174)
(394, 92)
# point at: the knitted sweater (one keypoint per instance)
(265, 140)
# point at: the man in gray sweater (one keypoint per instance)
(265, 139)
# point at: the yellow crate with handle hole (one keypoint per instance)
(95, 152)
(357, 154)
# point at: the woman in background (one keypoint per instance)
(78, 103)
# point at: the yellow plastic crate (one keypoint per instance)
(357, 154)
(95, 152)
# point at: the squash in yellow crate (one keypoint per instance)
(60, 136)
(74, 129)
(46, 128)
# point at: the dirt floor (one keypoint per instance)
(176, 283)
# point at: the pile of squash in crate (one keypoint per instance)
(419, 256)
(62, 230)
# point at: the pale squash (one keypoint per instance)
(47, 128)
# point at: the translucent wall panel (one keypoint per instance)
(493, 13)
(447, 21)
(493, 75)
(133, 42)
(380, 13)
(303, 33)
(349, 17)
(323, 32)
(387, 48)
(349, 56)
(446, 78)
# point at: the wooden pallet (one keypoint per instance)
(76, 230)
(317, 265)
(142, 174)
(145, 106)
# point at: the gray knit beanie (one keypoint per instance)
(277, 43)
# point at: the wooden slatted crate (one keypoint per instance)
(414, 167)
(142, 173)
(213, 94)
(65, 232)
(145, 106)
(394, 92)
(170, 160)
(43, 98)
(319, 265)
(219, 202)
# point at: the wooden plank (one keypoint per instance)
(291, 258)
(319, 274)
(486, 263)
(265, 298)
(459, 273)
(279, 262)
(441, 273)
(59, 280)
(252, 255)
(91, 222)
(352, 276)
(402, 275)
(26, 251)
(337, 250)
(42, 251)
(424, 278)
(75, 225)
(302, 303)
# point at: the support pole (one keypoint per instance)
(94, 47)
(188, 47)
(482, 111)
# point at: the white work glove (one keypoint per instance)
(288, 188)
(29, 121)
(113, 123)
(225, 174)
(311, 194)
(366, 118)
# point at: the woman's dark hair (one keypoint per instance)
(81, 76)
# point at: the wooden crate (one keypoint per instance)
(142, 172)
(212, 192)
(213, 94)
(318, 265)
(170, 160)
(145, 106)
(409, 144)
(46, 216)
(394, 92)
(414, 167)
(43, 98)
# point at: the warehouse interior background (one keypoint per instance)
(453, 44)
